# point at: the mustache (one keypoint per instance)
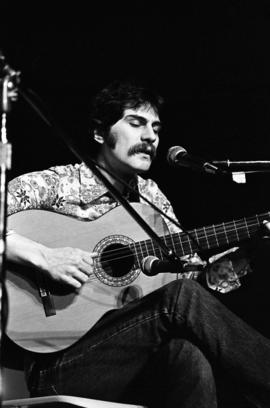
(143, 148)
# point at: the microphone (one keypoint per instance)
(178, 156)
(151, 266)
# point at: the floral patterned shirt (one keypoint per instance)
(74, 190)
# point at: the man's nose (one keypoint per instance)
(149, 134)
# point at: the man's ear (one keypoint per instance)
(98, 138)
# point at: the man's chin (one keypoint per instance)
(139, 169)
(144, 164)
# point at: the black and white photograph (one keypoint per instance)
(135, 224)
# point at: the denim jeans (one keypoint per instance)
(162, 350)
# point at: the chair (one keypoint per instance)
(15, 392)
(14, 388)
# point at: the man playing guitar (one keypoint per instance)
(102, 328)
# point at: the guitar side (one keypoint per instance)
(73, 313)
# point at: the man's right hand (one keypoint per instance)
(70, 266)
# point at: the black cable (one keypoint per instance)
(116, 177)
(92, 165)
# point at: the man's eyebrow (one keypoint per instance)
(142, 119)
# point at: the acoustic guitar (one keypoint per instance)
(46, 317)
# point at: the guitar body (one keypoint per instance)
(44, 317)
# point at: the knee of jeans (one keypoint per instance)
(188, 284)
(197, 358)
(187, 356)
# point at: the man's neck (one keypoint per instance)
(113, 180)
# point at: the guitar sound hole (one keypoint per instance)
(117, 260)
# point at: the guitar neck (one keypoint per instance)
(209, 237)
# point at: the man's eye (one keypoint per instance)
(135, 124)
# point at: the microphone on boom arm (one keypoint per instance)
(151, 266)
(178, 156)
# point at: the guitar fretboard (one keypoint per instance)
(210, 237)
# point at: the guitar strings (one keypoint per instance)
(118, 254)
(149, 243)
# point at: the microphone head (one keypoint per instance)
(175, 151)
(147, 264)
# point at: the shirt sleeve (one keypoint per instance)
(32, 190)
(225, 269)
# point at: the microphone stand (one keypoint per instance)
(238, 169)
(243, 167)
(248, 166)
(8, 81)
(80, 153)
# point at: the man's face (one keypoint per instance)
(133, 141)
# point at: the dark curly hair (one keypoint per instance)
(110, 103)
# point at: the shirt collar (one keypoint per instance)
(92, 188)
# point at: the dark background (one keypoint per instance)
(210, 60)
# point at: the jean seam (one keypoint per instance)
(49, 385)
(176, 313)
(128, 327)
(54, 389)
